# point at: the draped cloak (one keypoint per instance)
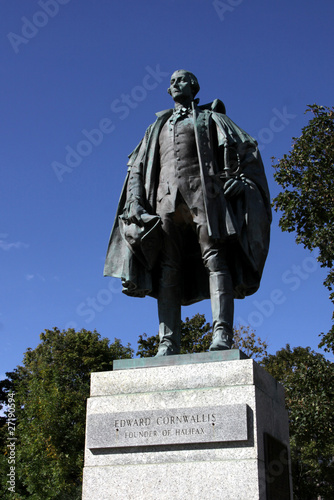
(242, 224)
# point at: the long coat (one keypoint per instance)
(242, 224)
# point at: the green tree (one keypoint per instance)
(51, 389)
(196, 336)
(246, 340)
(306, 175)
(308, 379)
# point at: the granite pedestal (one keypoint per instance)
(201, 426)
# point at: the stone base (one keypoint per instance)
(212, 427)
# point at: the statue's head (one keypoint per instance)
(183, 85)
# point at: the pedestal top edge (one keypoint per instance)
(179, 359)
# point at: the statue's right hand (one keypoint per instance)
(134, 213)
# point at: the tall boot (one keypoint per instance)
(169, 311)
(222, 305)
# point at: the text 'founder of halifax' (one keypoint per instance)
(193, 221)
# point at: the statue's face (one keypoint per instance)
(180, 87)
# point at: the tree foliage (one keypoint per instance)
(246, 340)
(306, 175)
(308, 379)
(196, 336)
(51, 389)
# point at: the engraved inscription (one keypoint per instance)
(169, 426)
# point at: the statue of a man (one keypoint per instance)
(194, 216)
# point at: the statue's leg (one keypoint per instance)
(169, 296)
(221, 290)
(222, 305)
(169, 311)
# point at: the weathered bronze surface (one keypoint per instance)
(193, 221)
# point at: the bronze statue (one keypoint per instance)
(194, 216)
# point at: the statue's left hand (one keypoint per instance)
(233, 187)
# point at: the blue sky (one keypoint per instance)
(70, 68)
